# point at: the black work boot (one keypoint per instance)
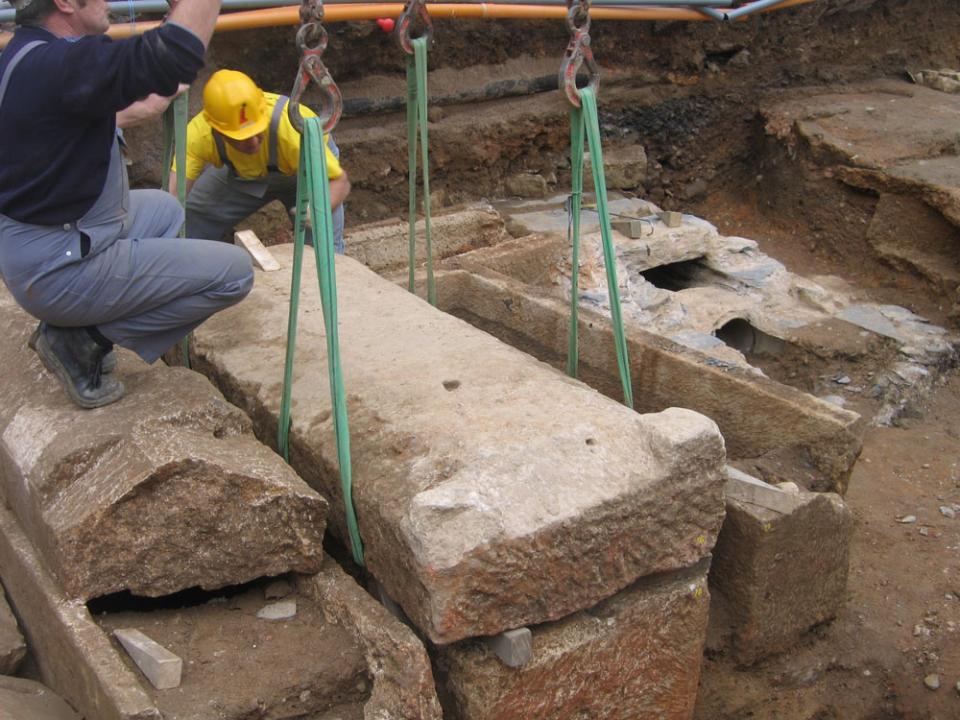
(107, 365)
(75, 358)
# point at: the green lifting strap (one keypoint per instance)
(313, 196)
(175, 137)
(417, 116)
(583, 119)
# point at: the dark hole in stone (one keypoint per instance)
(674, 276)
(591, 441)
(191, 597)
(741, 335)
(451, 384)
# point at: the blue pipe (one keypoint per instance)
(752, 8)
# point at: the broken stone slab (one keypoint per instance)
(385, 246)
(491, 491)
(74, 657)
(636, 655)
(22, 699)
(165, 490)
(781, 573)
(12, 647)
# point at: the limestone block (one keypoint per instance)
(162, 667)
(29, 700)
(781, 573)
(12, 647)
(634, 656)
(165, 490)
(492, 492)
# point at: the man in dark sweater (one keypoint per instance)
(96, 263)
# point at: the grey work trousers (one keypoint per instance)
(144, 291)
(219, 200)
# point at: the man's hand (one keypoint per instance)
(151, 107)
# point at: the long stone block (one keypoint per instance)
(780, 573)
(635, 656)
(492, 492)
(165, 490)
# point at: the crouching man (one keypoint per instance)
(96, 263)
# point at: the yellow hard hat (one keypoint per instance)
(234, 105)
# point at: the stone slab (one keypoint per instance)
(74, 657)
(22, 699)
(13, 649)
(385, 245)
(635, 656)
(164, 490)
(781, 573)
(492, 492)
(756, 415)
(161, 667)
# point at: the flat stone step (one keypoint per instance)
(164, 490)
(492, 492)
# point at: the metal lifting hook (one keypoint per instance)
(311, 42)
(578, 52)
(414, 10)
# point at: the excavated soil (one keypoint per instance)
(690, 94)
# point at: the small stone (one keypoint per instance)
(842, 380)
(907, 519)
(835, 400)
(924, 531)
(948, 512)
(277, 590)
(283, 610)
(932, 682)
(958, 687)
(435, 114)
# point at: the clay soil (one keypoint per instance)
(690, 94)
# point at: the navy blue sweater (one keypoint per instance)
(58, 118)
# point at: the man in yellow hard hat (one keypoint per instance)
(242, 153)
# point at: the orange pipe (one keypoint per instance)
(269, 17)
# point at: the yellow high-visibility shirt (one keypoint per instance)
(202, 148)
